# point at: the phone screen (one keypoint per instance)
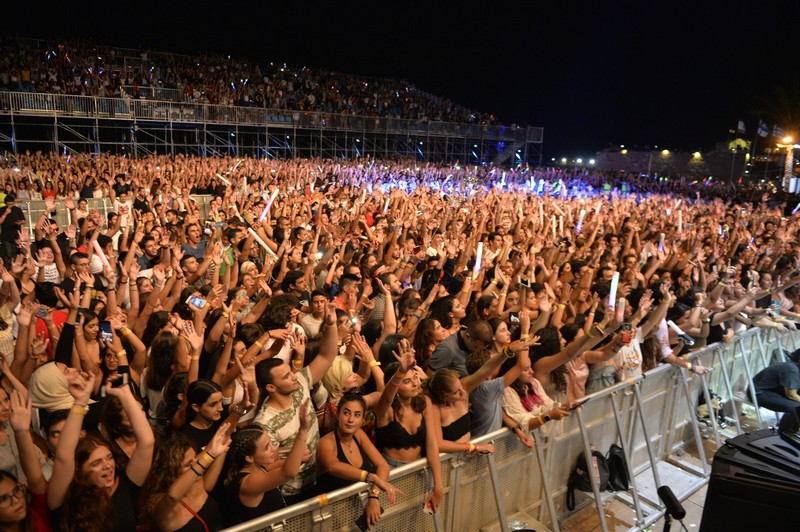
(105, 332)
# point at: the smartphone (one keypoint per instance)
(119, 383)
(198, 302)
(106, 335)
(42, 312)
(576, 405)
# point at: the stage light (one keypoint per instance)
(664, 153)
(563, 160)
(787, 140)
(591, 161)
(579, 161)
(697, 155)
(624, 152)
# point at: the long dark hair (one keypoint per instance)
(166, 469)
(87, 507)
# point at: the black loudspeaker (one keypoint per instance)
(755, 484)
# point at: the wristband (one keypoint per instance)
(373, 497)
(541, 420)
(494, 281)
(689, 367)
(195, 357)
(125, 331)
(561, 306)
(364, 475)
(195, 471)
(524, 336)
(79, 409)
(373, 363)
(415, 315)
(401, 374)
(205, 460)
(121, 352)
(472, 447)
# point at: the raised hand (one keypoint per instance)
(20, 418)
(39, 346)
(194, 338)
(404, 354)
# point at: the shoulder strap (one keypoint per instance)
(195, 514)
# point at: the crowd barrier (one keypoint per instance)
(33, 209)
(653, 418)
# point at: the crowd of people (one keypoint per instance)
(79, 67)
(326, 321)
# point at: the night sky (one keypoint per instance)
(677, 75)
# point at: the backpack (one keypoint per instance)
(579, 478)
(619, 476)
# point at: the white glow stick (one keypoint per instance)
(478, 259)
(553, 220)
(224, 180)
(541, 215)
(569, 213)
(561, 225)
(99, 251)
(582, 215)
(621, 309)
(680, 221)
(269, 204)
(386, 206)
(261, 242)
(661, 242)
(612, 294)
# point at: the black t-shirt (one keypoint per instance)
(10, 226)
(141, 205)
(200, 437)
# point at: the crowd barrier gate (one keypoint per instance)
(653, 418)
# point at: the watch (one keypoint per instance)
(547, 417)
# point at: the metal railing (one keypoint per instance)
(33, 209)
(23, 103)
(653, 417)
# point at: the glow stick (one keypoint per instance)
(612, 294)
(553, 219)
(569, 213)
(99, 251)
(267, 207)
(386, 206)
(661, 242)
(478, 259)
(261, 242)
(541, 215)
(680, 221)
(621, 309)
(560, 225)
(224, 180)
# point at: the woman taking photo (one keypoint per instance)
(405, 431)
(86, 488)
(254, 475)
(347, 455)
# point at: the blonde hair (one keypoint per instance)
(341, 368)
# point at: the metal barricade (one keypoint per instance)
(653, 418)
(33, 209)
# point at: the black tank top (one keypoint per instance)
(270, 502)
(327, 482)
